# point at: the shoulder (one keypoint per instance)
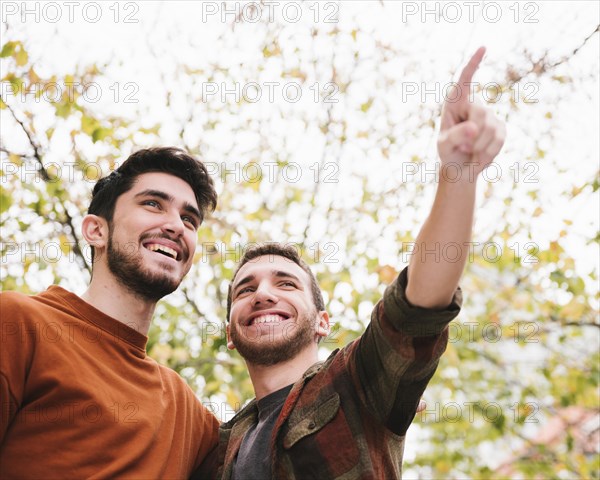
(15, 299)
(250, 410)
(177, 385)
(323, 377)
(17, 305)
(334, 364)
(51, 298)
(25, 319)
(22, 319)
(173, 379)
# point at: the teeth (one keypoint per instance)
(155, 247)
(269, 319)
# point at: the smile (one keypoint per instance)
(268, 318)
(168, 252)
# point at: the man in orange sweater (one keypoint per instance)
(80, 397)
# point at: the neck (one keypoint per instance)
(107, 295)
(267, 379)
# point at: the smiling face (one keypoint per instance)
(273, 317)
(153, 235)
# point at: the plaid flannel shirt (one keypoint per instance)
(347, 418)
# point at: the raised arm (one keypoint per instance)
(469, 140)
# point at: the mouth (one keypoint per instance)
(163, 250)
(268, 318)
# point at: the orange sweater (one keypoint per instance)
(81, 399)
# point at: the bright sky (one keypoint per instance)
(437, 37)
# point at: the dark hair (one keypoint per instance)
(171, 160)
(283, 250)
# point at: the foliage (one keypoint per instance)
(333, 178)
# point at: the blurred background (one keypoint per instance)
(318, 122)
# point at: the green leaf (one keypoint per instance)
(5, 200)
(63, 110)
(101, 133)
(89, 124)
(8, 49)
(367, 105)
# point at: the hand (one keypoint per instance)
(470, 135)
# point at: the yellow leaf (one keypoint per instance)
(21, 57)
(16, 159)
(65, 244)
(387, 274)
(233, 399)
(573, 310)
(33, 77)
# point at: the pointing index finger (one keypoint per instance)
(470, 68)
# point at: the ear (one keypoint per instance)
(323, 328)
(230, 344)
(95, 230)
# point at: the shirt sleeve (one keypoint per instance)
(207, 470)
(398, 354)
(15, 356)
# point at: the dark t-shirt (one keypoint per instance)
(253, 461)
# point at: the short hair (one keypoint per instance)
(283, 250)
(171, 160)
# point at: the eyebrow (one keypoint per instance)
(275, 273)
(188, 207)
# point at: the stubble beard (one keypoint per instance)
(128, 269)
(266, 351)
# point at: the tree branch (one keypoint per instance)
(46, 177)
(541, 65)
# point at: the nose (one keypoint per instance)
(264, 295)
(173, 224)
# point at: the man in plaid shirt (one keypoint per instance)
(347, 417)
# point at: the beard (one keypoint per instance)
(265, 350)
(128, 268)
